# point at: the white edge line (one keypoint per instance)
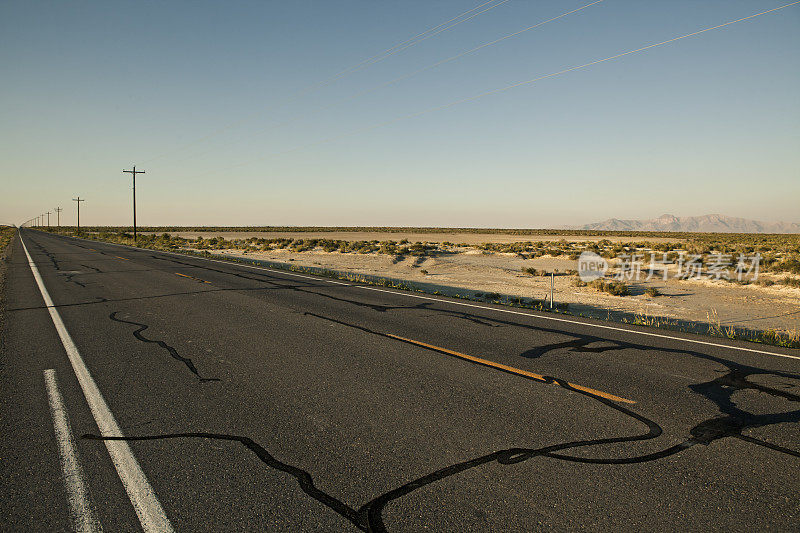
(612, 328)
(476, 306)
(81, 508)
(151, 514)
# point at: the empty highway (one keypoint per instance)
(143, 390)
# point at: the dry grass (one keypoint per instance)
(6, 235)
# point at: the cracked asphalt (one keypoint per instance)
(257, 399)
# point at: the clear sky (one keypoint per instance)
(707, 124)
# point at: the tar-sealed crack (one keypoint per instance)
(92, 268)
(717, 391)
(69, 279)
(172, 351)
(734, 420)
(297, 287)
(50, 256)
(369, 516)
(731, 422)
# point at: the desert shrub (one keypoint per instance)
(420, 248)
(652, 292)
(617, 288)
(791, 282)
(301, 245)
(579, 283)
(790, 265)
(388, 248)
(530, 270)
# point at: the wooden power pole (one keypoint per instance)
(79, 200)
(133, 173)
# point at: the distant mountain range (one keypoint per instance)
(705, 223)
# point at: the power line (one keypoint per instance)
(371, 61)
(496, 91)
(427, 34)
(396, 80)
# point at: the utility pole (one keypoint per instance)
(79, 200)
(133, 173)
(48, 219)
(58, 217)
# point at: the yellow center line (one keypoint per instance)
(124, 259)
(191, 277)
(511, 369)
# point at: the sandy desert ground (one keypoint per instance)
(473, 270)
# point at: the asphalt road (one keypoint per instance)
(210, 396)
